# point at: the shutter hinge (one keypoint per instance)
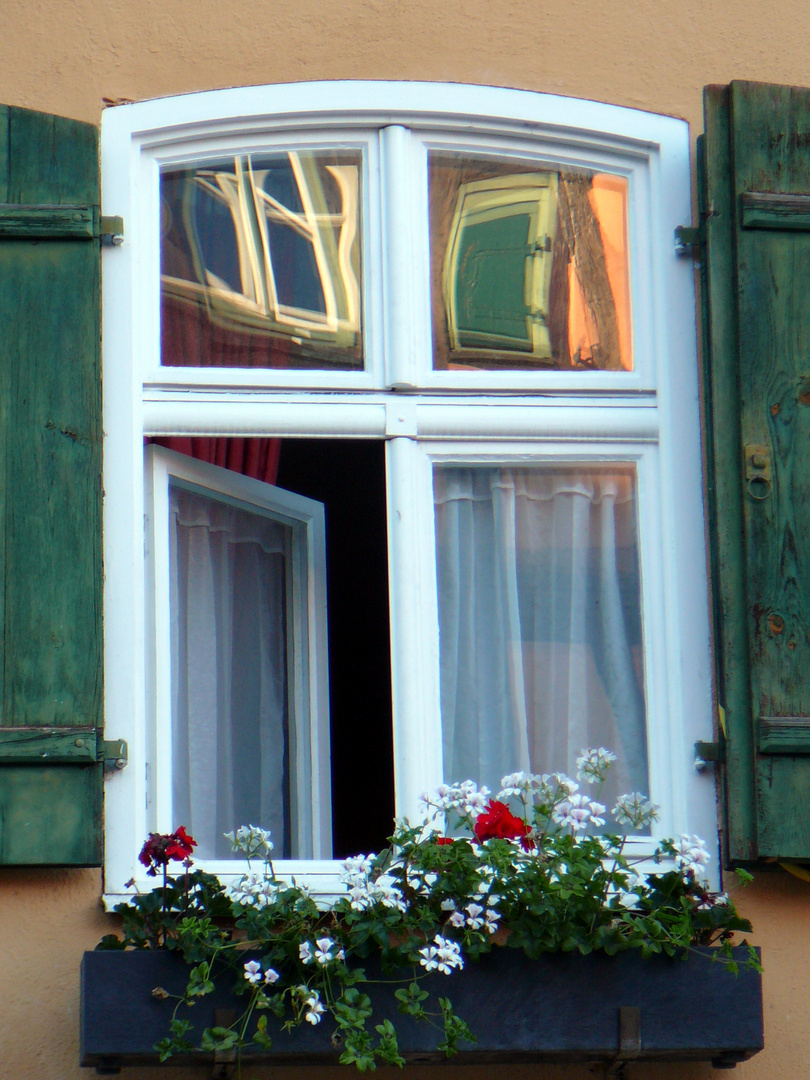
(111, 230)
(539, 246)
(22, 222)
(114, 753)
(688, 241)
(706, 752)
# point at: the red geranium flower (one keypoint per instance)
(444, 840)
(160, 848)
(182, 845)
(498, 822)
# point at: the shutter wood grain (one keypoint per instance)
(50, 509)
(755, 202)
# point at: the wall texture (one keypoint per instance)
(67, 55)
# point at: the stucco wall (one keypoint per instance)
(66, 55)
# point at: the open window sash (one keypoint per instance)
(237, 572)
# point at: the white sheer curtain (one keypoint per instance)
(540, 621)
(230, 728)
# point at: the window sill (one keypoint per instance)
(683, 1010)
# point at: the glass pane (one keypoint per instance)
(230, 723)
(529, 266)
(260, 262)
(539, 622)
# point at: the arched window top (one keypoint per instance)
(241, 110)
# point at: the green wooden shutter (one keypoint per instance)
(755, 216)
(50, 502)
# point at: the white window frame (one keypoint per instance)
(648, 415)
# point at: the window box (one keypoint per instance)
(562, 1007)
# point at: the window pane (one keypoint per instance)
(529, 266)
(539, 621)
(230, 724)
(260, 262)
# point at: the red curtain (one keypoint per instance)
(190, 339)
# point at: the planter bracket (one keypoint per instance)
(629, 1041)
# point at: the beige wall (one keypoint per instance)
(66, 55)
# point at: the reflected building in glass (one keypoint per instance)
(261, 264)
(529, 267)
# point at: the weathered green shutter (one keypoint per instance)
(755, 215)
(50, 502)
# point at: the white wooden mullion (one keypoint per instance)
(401, 203)
(414, 624)
(247, 417)
(449, 417)
(158, 643)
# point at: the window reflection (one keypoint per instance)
(260, 262)
(529, 267)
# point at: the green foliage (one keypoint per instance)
(420, 911)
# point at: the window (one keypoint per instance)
(450, 323)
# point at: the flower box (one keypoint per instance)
(561, 1007)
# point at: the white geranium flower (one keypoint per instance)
(518, 783)
(691, 855)
(250, 839)
(315, 1009)
(474, 911)
(388, 894)
(323, 950)
(305, 952)
(630, 894)
(554, 788)
(271, 976)
(356, 870)
(448, 954)
(635, 810)
(253, 971)
(492, 918)
(593, 765)
(465, 798)
(429, 958)
(443, 955)
(457, 919)
(359, 898)
(578, 811)
(254, 890)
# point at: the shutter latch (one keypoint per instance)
(111, 230)
(114, 753)
(706, 752)
(687, 241)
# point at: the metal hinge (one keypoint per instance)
(47, 222)
(709, 751)
(688, 240)
(111, 230)
(114, 753)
